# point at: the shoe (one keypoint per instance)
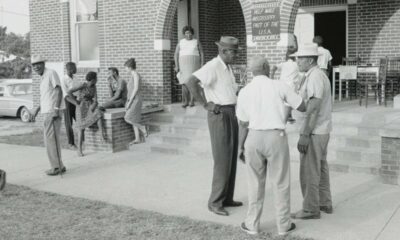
(248, 231)
(291, 229)
(326, 209)
(233, 204)
(219, 211)
(191, 105)
(305, 215)
(2, 179)
(55, 171)
(185, 105)
(72, 146)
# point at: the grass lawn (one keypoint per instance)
(33, 139)
(31, 214)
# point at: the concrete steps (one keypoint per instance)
(354, 145)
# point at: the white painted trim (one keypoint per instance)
(249, 41)
(351, 1)
(318, 9)
(162, 44)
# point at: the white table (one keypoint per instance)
(360, 69)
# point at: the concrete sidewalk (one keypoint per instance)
(180, 185)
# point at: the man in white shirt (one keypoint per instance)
(51, 106)
(69, 114)
(218, 96)
(314, 136)
(262, 117)
(324, 55)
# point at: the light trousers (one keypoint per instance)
(267, 152)
(314, 174)
(51, 131)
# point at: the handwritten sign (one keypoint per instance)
(265, 20)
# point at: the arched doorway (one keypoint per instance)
(211, 19)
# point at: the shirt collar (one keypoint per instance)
(223, 63)
(311, 70)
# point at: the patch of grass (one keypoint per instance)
(32, 214)
(34, 139)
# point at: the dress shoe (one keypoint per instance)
(233, 204)
(2, 179)
(326, 209)
(219, 211)
(55, 171)
(305, 215)
(291, 229)
(248, 231)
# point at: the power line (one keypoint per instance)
(15, 13)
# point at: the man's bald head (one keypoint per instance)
(259, 65)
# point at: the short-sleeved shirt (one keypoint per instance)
(289, 72)
(317, 85)
(118, 85)
(262, 103)
(324, 57)
(66, 84)
(218, 82)
(48, 94)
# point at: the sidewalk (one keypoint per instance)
(180, 184)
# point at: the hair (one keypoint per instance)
(91, 76)
(114, 69)
(70, 65)
(258, 64)
(131, 63)
(187, 28)
(318, 40)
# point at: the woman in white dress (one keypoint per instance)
(188, 58)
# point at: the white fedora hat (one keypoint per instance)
(37, 59)
(307, 50)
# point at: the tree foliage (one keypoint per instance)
(19, 46)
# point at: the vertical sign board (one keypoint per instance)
(265, 20)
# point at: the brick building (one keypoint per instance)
(98, 34)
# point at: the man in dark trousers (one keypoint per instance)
(2, 179)
(218, 96)
(69, 113)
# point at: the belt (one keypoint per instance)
(227, 106)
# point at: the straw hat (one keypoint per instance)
(37, 59)
(307, 50)
(228, 42)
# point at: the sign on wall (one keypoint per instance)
(265, 20)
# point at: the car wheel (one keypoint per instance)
(25, 115)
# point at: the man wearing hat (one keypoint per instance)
(314, 135)
(218, 96)
(2, 179)
(50, 106)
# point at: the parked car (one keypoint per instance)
(16, 98)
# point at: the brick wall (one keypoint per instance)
(390, 152)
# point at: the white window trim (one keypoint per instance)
(75, 40)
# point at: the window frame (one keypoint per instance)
(74, 31)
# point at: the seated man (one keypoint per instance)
(117, 89)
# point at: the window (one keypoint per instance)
(1, 92)
(21, 89)
(84, 33)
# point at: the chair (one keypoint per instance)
(371, 84)
(351, 61)
(351, 86)
(391, 82)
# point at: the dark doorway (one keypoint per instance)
(332, 27)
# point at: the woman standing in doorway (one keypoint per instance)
(87, 111)
(188, 58)
(133, 105)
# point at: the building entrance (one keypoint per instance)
(210, 19)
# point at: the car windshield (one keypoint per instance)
(20, 89)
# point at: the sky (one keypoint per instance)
(14, 14)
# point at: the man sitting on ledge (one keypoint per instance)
(117, 89)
